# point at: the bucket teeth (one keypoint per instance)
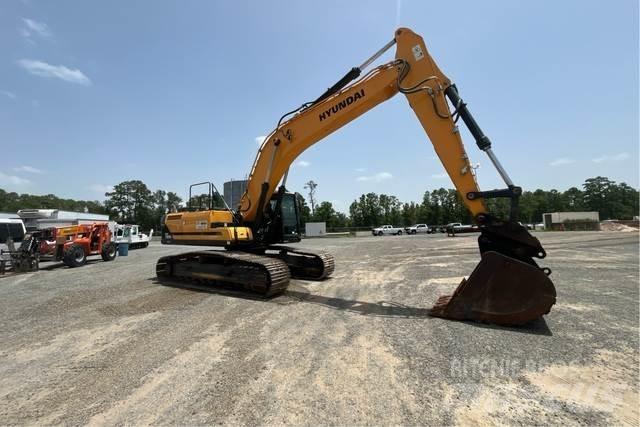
(500, 290)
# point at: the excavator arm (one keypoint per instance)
(413, 73)
(507, 286)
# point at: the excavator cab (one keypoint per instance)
(285, 209)
(290, 211)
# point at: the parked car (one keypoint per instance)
(418, 228)
(386, 229)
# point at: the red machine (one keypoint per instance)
(72, 245)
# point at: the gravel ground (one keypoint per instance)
(108, 344)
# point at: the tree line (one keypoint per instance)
(130, 202)
(442, 206)
(12, 202)
(133, 202)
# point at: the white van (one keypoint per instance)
(10, 227)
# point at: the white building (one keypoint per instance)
(315, 229)
(571, 221)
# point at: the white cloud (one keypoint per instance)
(260, 139)
(8, 94)
(599, 159)
(29, 169)
(302, 164)
(614, 158)
(32, 27)
(378, 177)
(439, 176)
(561, 161)
(12, 180)
(100, 188)
(42, 69)
(361, 170)
(621, 156)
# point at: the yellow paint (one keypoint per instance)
(214, 227)
(67, 231)
(446, 141)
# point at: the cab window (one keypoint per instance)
(15, 231)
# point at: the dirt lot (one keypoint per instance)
(107, 344)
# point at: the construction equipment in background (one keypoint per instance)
(25, 258)
(73, 244)
(18, 248)
(131, 235)
(507, 286)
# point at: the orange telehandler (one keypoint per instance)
(73, 244)
(507, 286)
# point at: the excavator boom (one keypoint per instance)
(413, 73)
(507, 287)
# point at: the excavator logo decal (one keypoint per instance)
(342, 104)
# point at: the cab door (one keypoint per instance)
(290, 214)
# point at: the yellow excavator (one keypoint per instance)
(507, 286)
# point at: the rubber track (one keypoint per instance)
(276, 278)
(328, 262)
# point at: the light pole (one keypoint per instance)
(312, 189)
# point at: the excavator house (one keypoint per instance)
(507, 287)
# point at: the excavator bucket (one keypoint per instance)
(501, 290)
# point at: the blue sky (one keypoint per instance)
(94, 93)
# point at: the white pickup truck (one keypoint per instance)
(386, 229)
(417, 229)
(456, 227)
